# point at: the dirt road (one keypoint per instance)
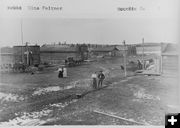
(44, 99)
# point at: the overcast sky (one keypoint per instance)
(93, 26)
(99, 31)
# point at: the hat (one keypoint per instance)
(59, 69)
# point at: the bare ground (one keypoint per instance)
(44, 99)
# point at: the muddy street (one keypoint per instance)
(44, 99)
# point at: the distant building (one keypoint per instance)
(28, 55)
(130, 49)
(57, 55)
(170, 60)
(149, 48)
(6, 59)
(104, 51)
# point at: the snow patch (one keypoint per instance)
(124, 80)
(27, 118)
(79, 83)
(10, 97)
(82, 83)
(62, 105)
(172, 106)
(50, 89)
(114, 83)
(142, 95)
(33, 118)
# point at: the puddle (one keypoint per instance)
(4, 97)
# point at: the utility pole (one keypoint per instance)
(125, 73)
(22, 54)
(27, 53)
(143, 53)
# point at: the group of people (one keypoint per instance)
(144, 64)
(62, 72)
(97, 79)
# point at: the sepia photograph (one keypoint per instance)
(88, 67)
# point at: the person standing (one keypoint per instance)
(65, 72)
(139, 64)
(60, 75)
(62, 72)
(94, 77)
(101, 77)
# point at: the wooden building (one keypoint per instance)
(58, 54)
(170, 60)
(104, 51)
(28, 55)
(6, 59)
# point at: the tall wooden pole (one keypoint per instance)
(125, 72)
(143, 53)
(22, 54)
(161, 58)
(27, 52)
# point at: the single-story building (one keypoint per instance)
(170, 60)
(57, 55)
(25, 55)
(6, 59)
(104, 51)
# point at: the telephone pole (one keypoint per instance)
(125, 72)
(22, 54)
(27, 53)
(143, 53)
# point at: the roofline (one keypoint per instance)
(6, 53)
(26, 46)
(169, 54)
(58, 51)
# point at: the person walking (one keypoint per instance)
(94, 83)
(101, 77)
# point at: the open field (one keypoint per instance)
(44, 99)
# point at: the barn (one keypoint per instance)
(170, 60)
